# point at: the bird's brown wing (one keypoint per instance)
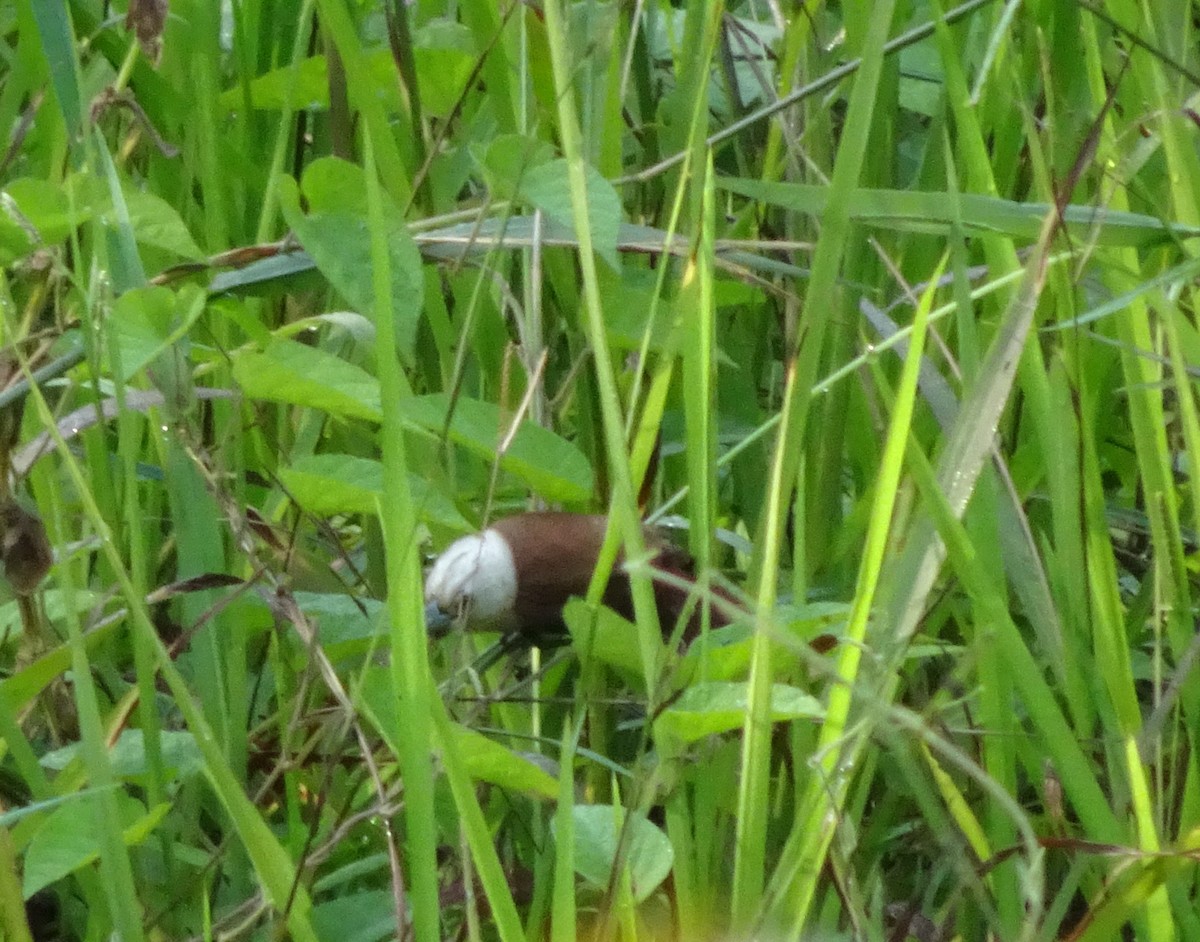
(555, 555)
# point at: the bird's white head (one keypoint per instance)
(473, 581)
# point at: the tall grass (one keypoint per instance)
(891, 305)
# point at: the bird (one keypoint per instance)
(515, 576)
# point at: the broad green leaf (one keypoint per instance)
(630, 299)
(597, 833)
(16, 239)
(155, 222)
(921, 82)
(44, 206)
(489, 761)
(549, 464)
(334, 231)
(302, 86)
(546, 187)
(342, 619)
(148, 322)
(355, 325)
(444, 73)
(294, 373)
(507, 160)
(705, 709)
(70, 839)
(332, 484)
(445, 55)
(128, 754)
(352, 871)
(599, 632)
(728, 652)
(305, 86)
(38, 208)
(141, 322)
(483, 759)
(291, 372)
(366, 916)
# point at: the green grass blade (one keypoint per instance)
(749, 861)
(411, 685)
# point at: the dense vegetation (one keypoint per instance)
(889, 306)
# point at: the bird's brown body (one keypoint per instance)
(553, 556)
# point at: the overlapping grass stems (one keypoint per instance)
(899, 299)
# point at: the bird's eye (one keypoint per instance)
(437, 620)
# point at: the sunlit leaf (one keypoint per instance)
(489, 761)
(707, 708)
(329, 484)
(293, 373)
(552, 466)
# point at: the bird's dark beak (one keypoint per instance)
(437, 622)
